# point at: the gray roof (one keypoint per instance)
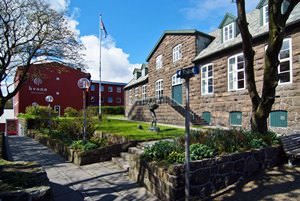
(136, 81)
(254, 27)
(111, 83)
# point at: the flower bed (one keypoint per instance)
(207, 175)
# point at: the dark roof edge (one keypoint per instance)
(176, 32)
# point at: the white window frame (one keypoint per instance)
(110, 89)
(265, 14)
(119, 89)
(159, 88)
(289, 59)
(205, 79)
(235, 72)
(176, 80)
(227, 35)
(158, 62)
(177, 53)
(136, 93)
(144, 92)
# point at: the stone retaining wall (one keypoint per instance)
(207, 176)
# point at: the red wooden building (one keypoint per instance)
(53, 79)
(112, 93)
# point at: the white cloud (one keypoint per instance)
(59, 5)
(115, 64)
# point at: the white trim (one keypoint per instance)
(119, 89)
(205, 77)
(136, 93)
(227, 35)
(177, 53)
(176, 80)
(265, 15)
(287, 59)
(158, 62)
(159, 88)
(235, 72)
(144, 92)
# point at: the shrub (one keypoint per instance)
(70, 127)
(41, 112)
(81, 145)
(100, 142)
(176, 157)
(71, 112)
(160, 150)
(113, 110)
(200, 151)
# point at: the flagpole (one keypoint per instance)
(100, 38)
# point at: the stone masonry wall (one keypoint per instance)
(221, 102)
(207, 176)
(164, 114)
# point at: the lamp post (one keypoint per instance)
(49, 99)
(186, 74)
(84, 84)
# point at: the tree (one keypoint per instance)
(30, 32)
(279, 12)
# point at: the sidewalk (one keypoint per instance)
(100, 181)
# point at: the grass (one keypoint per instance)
(130, 130)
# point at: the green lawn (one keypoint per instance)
(130, 129)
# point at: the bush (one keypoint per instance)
(41, 112)
(176, 157)
(100, 142)
(71, 112)
(200, 151)
(84, 146)
(160, 150)
(113, 110)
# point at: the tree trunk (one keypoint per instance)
(259, 122)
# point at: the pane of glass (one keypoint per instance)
(230, 77)
(284, 54)
(240, 84)
(240, 58)
(240, 75)
(210, 73)
(210, 89)
(284, 66)
(231, 61)
(240, 65)
(230, 85)
(210, 68)
(284, 77)
(285, 45)
(210, 81)
(203, 69)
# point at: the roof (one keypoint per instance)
(176, 32)
(228, 18)
(134, 82)
(255, 29)
(136, 70)
(261, 4)
(110, 83)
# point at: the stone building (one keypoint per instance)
(219, 94)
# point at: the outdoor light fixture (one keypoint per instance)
(84, 85)
(49, 99)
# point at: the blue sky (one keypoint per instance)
(134, 27)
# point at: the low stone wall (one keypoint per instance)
(207, 176)
(84, 157)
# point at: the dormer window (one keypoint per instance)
(228, 32)
(177, 55)
(265, 14)
(158, 62)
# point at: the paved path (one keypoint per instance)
(96, 182)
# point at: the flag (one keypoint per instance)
(102, 27)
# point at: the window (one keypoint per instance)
(285, 59)
(278, 118)
(176, 80)
(109, 99)
(92, 99)
(57, 78)
(159, 91)
(144, 92)
(136, 93)
(265, 15)
(57, 109)
(130, 97)
(207, 117)
(110, 89)
(177, 55)
(102, 88)
(158, 61)
(236, 72)
(118, 100)
(102, 100)
(119, 89)
(207, 79)
(235, 118)
(228, 32)
(92, 87)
